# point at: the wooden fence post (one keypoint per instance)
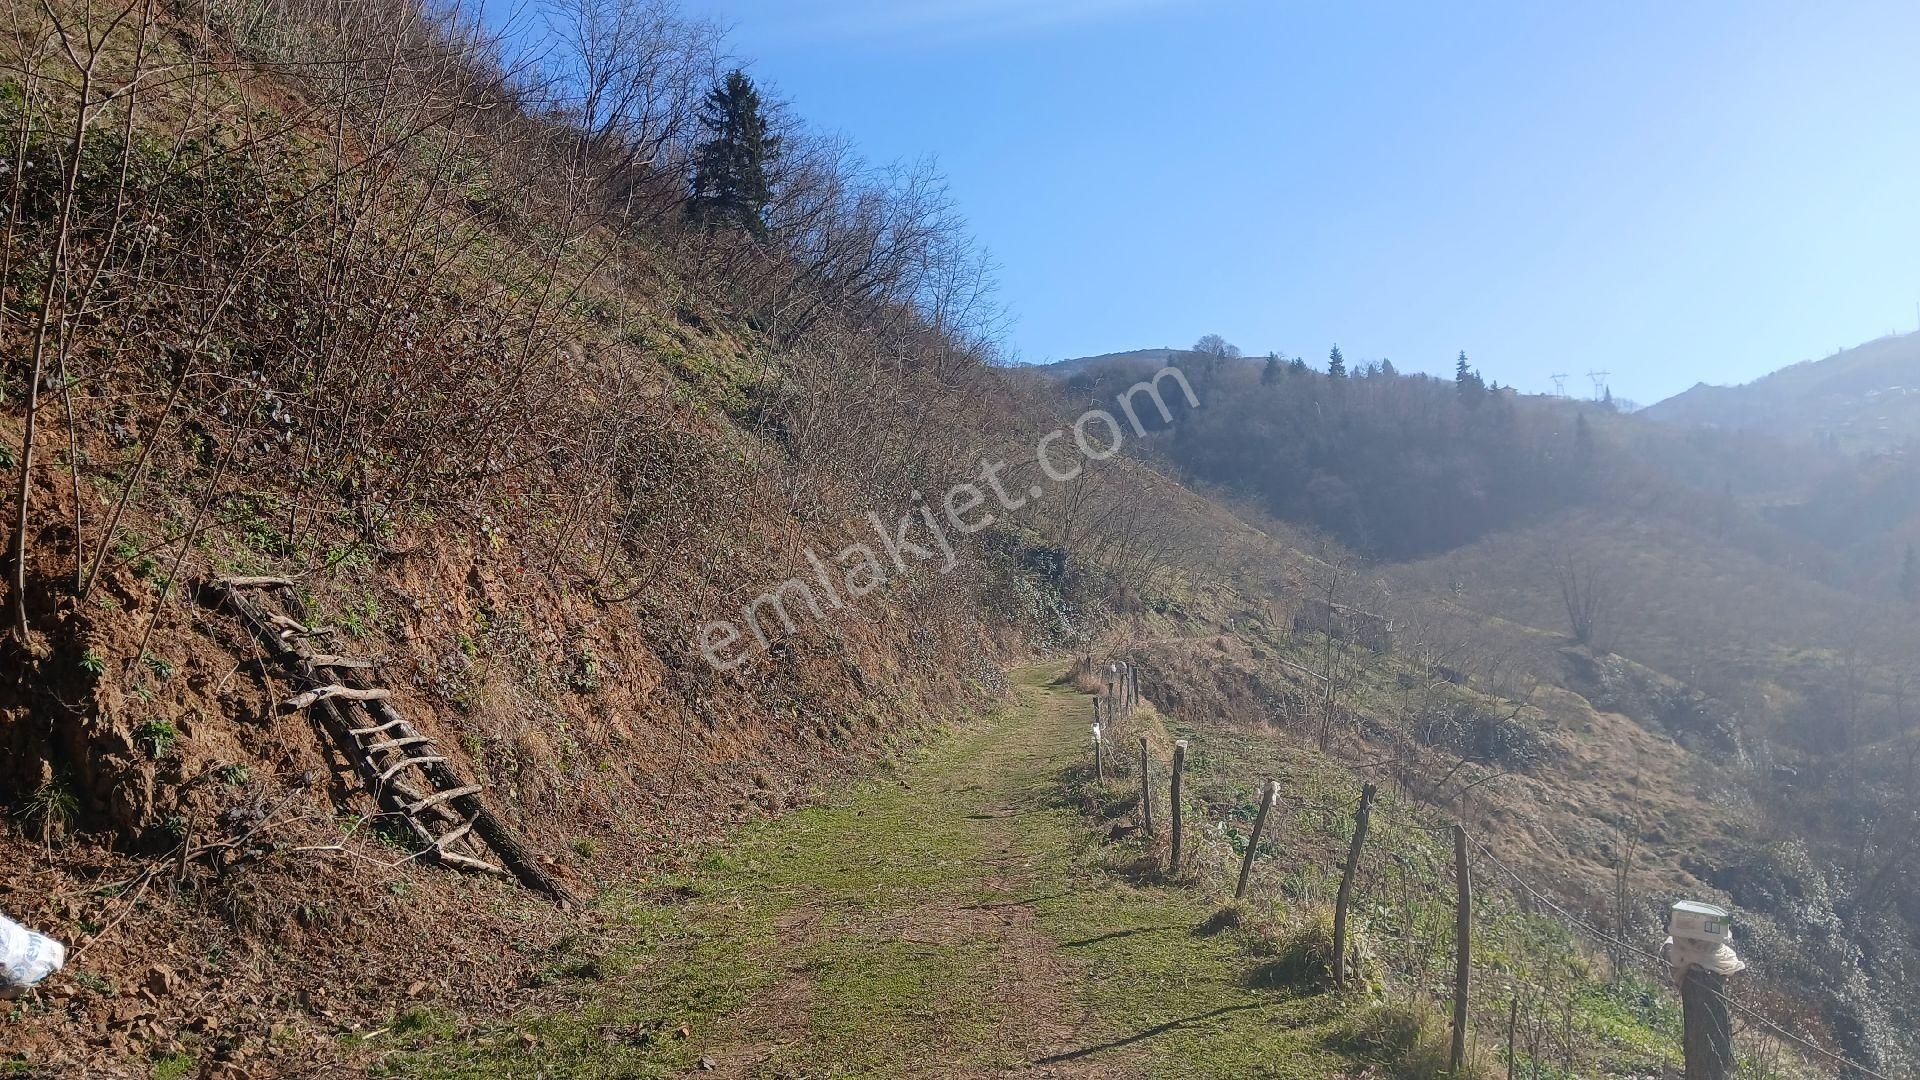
(1709, 1025)
(1146, 790)
(1462, 949)
(1513, 1023)
(1099, 756)
(1346, 887)
(1253, 841)
(1179, 767)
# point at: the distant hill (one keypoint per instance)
(1863, 398)
(1066, 369)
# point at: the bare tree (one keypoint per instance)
(629, 75)
(1586, 592)
(1216, 347)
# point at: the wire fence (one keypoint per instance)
(1402, 886)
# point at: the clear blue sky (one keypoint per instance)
(1670, 191)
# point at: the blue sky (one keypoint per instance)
(1670, 192)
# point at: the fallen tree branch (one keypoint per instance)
(309, 698)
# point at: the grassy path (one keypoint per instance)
(954, 918)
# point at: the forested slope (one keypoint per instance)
(1743, 600)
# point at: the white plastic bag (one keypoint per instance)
(1685, 953)
(26, 957)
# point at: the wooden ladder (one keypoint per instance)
(412, 783)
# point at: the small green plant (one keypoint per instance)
(584, 677)
(584, 846)
(418, 1021)
(175, 1066)
(93, 663)
(157, 736)
(161, 668)
(362, 617)
(234, 775)
(52, 809)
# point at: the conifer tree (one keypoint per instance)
(1336, 363)
(1270, 374)
(730, 184)
(1467, 381)
(1387, 368)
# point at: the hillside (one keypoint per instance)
(1860, 399)
(1722, 610)
(1080, 365)
(537, 566)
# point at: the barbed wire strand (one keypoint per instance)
(1627, 946)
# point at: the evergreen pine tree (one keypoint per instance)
(1387, 368)
(1270, 374)
(730, 185)
(1297, 366)
(1467, 381)
(1336, 364)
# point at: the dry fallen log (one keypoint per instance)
(307, 699)
(341, 663)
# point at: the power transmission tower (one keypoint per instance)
(1599, 382)
(1559, 384)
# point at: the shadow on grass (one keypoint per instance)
(1113, 934)
(1142, 1036)
(1228, 917)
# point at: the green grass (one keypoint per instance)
(960, 914)
(692, 951)
(175, 1067)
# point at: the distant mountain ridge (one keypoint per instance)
(1860, 399)
(1065, 369)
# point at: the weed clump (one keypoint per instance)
(1410, 1042)
(1300, 954)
